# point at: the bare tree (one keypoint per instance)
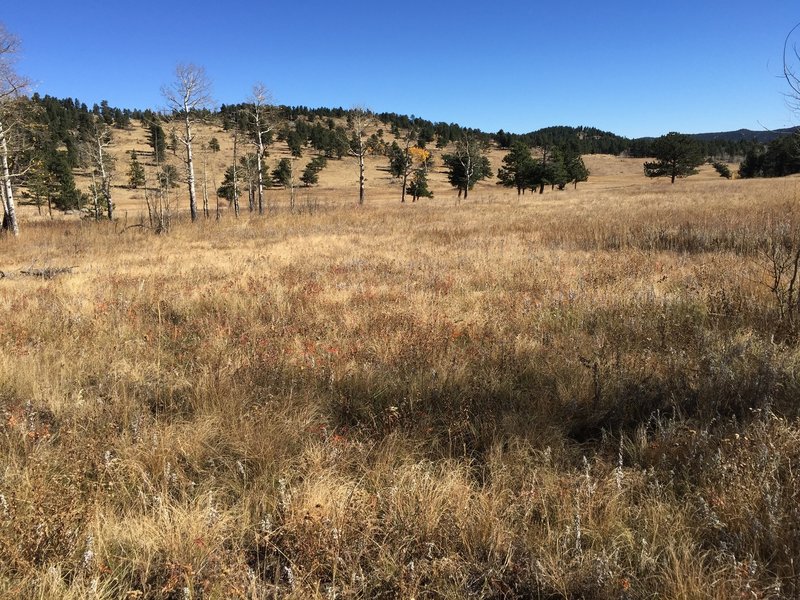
(102, 162)
(190, 92)
(359, 120)
(467, 164)
(235, 176)
(263, 121)
(11, 85)
(791, 65)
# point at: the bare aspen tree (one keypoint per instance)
(102, 163)
(235, 176)
(95, 197)
(190, 92)
(360, 119)
(11, 86)
(467, 164)
(263, 121)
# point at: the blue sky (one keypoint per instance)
(634, 68)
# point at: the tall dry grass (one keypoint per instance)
(581, 395)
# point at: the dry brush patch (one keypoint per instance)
(588, 395)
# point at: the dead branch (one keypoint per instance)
(47, 272)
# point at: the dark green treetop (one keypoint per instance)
(677, 155)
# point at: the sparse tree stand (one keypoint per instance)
(677, 155)
(189, 93)
(401, 161)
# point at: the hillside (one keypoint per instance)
(748, 135)
(337, 183)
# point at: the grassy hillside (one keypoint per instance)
(338, 181)
(585, 394)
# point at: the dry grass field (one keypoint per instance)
(585, 394)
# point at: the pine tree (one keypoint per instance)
(227, 189)
(311, 173)
(157, 140)
(135, 172)
(418, 186)
(516, 167)
(677, 155)
(168, 177)
(66, 195)
(282, 174)
(576, 169)
(557, 173)
(723, 169)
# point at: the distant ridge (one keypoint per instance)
(748, 135)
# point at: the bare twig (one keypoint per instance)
(47, 272)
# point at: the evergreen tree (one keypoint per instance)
(227, 189)
(781, 157)
(66, 195)
(677, 155)
(213, 145)
(557, 174)
(282, 173)
(135, 172)
(722, 169)
(418, 186)
(168, 177)
(173, 142)
(399, 160)
(157, 140)
(311, 173)
(753, 164)
(576, 169)
(516, 167)
(538, 175)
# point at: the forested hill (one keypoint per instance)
(762, 137)
(584, 140)
(307, 124)
(590, 140)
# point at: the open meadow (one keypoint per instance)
(590, 393)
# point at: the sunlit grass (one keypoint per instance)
(586, 394)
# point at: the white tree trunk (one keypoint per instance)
(10, 219)
(190, 167)
(361, 152)
(259, 168)
(105, 179)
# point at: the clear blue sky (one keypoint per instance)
(632, 67)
